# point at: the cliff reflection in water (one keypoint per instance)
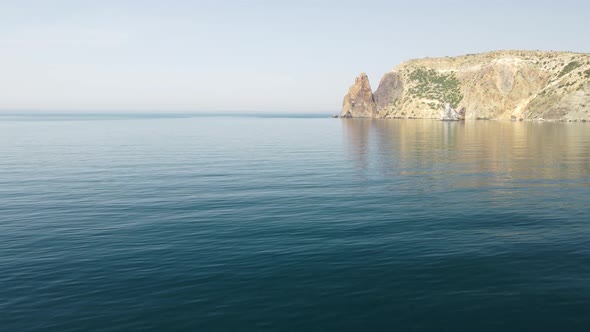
(472, 153)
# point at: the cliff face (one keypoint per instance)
(515, 85)
(359, 101)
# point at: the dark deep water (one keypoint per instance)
(260, 223)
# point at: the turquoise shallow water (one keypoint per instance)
(242, 223)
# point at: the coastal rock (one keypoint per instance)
(451, 115)
(507, 85)
(359, 101)
(390, 90)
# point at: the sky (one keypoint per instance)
(248, 56)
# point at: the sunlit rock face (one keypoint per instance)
(510, 85)
(359, 101)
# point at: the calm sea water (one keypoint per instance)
(123, 223)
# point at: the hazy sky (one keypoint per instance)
(283, 56)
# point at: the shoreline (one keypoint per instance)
(465, 120)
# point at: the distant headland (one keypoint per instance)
(503, 85)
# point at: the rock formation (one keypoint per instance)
(359, 101)
(450, 114)
(511, 85)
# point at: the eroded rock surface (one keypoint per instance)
(359, 101)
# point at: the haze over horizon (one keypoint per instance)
(208, 56)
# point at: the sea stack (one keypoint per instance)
(359, 101)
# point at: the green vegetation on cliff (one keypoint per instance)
(430, 84)
(569, 68)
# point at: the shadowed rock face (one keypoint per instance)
(507, 85)
(359, 101)
(390, 90)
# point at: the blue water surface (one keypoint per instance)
(292, 223)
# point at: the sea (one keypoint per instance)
(245, 222)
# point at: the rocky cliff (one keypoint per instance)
(359, 101)
(510, 85)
